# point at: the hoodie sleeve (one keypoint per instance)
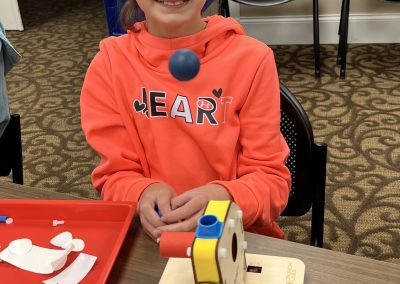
(119, 175)
(263, 184)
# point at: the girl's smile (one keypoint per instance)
(173, 4)
(173, 18)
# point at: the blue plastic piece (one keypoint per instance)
(184, 65)
(209, 227)
(112, 8)
(159, 212)
(3, 218)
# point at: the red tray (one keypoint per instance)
(102, 225)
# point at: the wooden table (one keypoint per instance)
(139, 262)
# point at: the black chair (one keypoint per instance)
(307, 165)
(343, 35)
(223, 10)
(11, 150)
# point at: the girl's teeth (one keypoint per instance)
(168, 3)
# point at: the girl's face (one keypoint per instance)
(173, 18)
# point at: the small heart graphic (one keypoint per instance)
(217, 93)
(138, 106)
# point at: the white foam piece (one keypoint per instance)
(78, 245)
(37, 259)
(20, 246)
(62, 240)
(75, 272)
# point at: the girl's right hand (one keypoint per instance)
(155, 196)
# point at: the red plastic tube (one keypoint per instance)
(175, 244)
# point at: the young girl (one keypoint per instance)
(174, 145)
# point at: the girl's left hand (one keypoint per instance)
(188, 207)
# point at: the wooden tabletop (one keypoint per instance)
(139, 261)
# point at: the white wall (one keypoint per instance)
(10, 16)
(371, 21)
(327, 7)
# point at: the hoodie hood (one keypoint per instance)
(211, 41)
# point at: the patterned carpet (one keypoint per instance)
(358, 118)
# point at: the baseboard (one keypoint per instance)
(367, 28)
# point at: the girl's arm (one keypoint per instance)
(263, 184)
(119, 175)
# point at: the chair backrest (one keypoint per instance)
(11, 150)
(307, 165)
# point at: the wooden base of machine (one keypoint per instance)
(261, 269)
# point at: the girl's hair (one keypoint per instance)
(129, 14)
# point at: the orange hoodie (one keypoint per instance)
(221, 127)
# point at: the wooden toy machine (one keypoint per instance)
(215, 253)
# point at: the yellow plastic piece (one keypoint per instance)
(204, 251)
(205, 263)
(218, 208)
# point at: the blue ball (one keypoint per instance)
(184, 65)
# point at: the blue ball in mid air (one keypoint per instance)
(184, 65)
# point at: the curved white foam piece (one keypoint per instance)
(75, 272)
(62, 240)
(78, 245)
(20, 246)
(38, 259)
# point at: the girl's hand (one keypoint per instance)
(188, 207)
(155, 196)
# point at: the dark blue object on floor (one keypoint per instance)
(184, 65)
(112, 8)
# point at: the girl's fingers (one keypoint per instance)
(179, 200)
(184, 226)
(151, 216)
(148, 228)
(164, 204)
(184, 212)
